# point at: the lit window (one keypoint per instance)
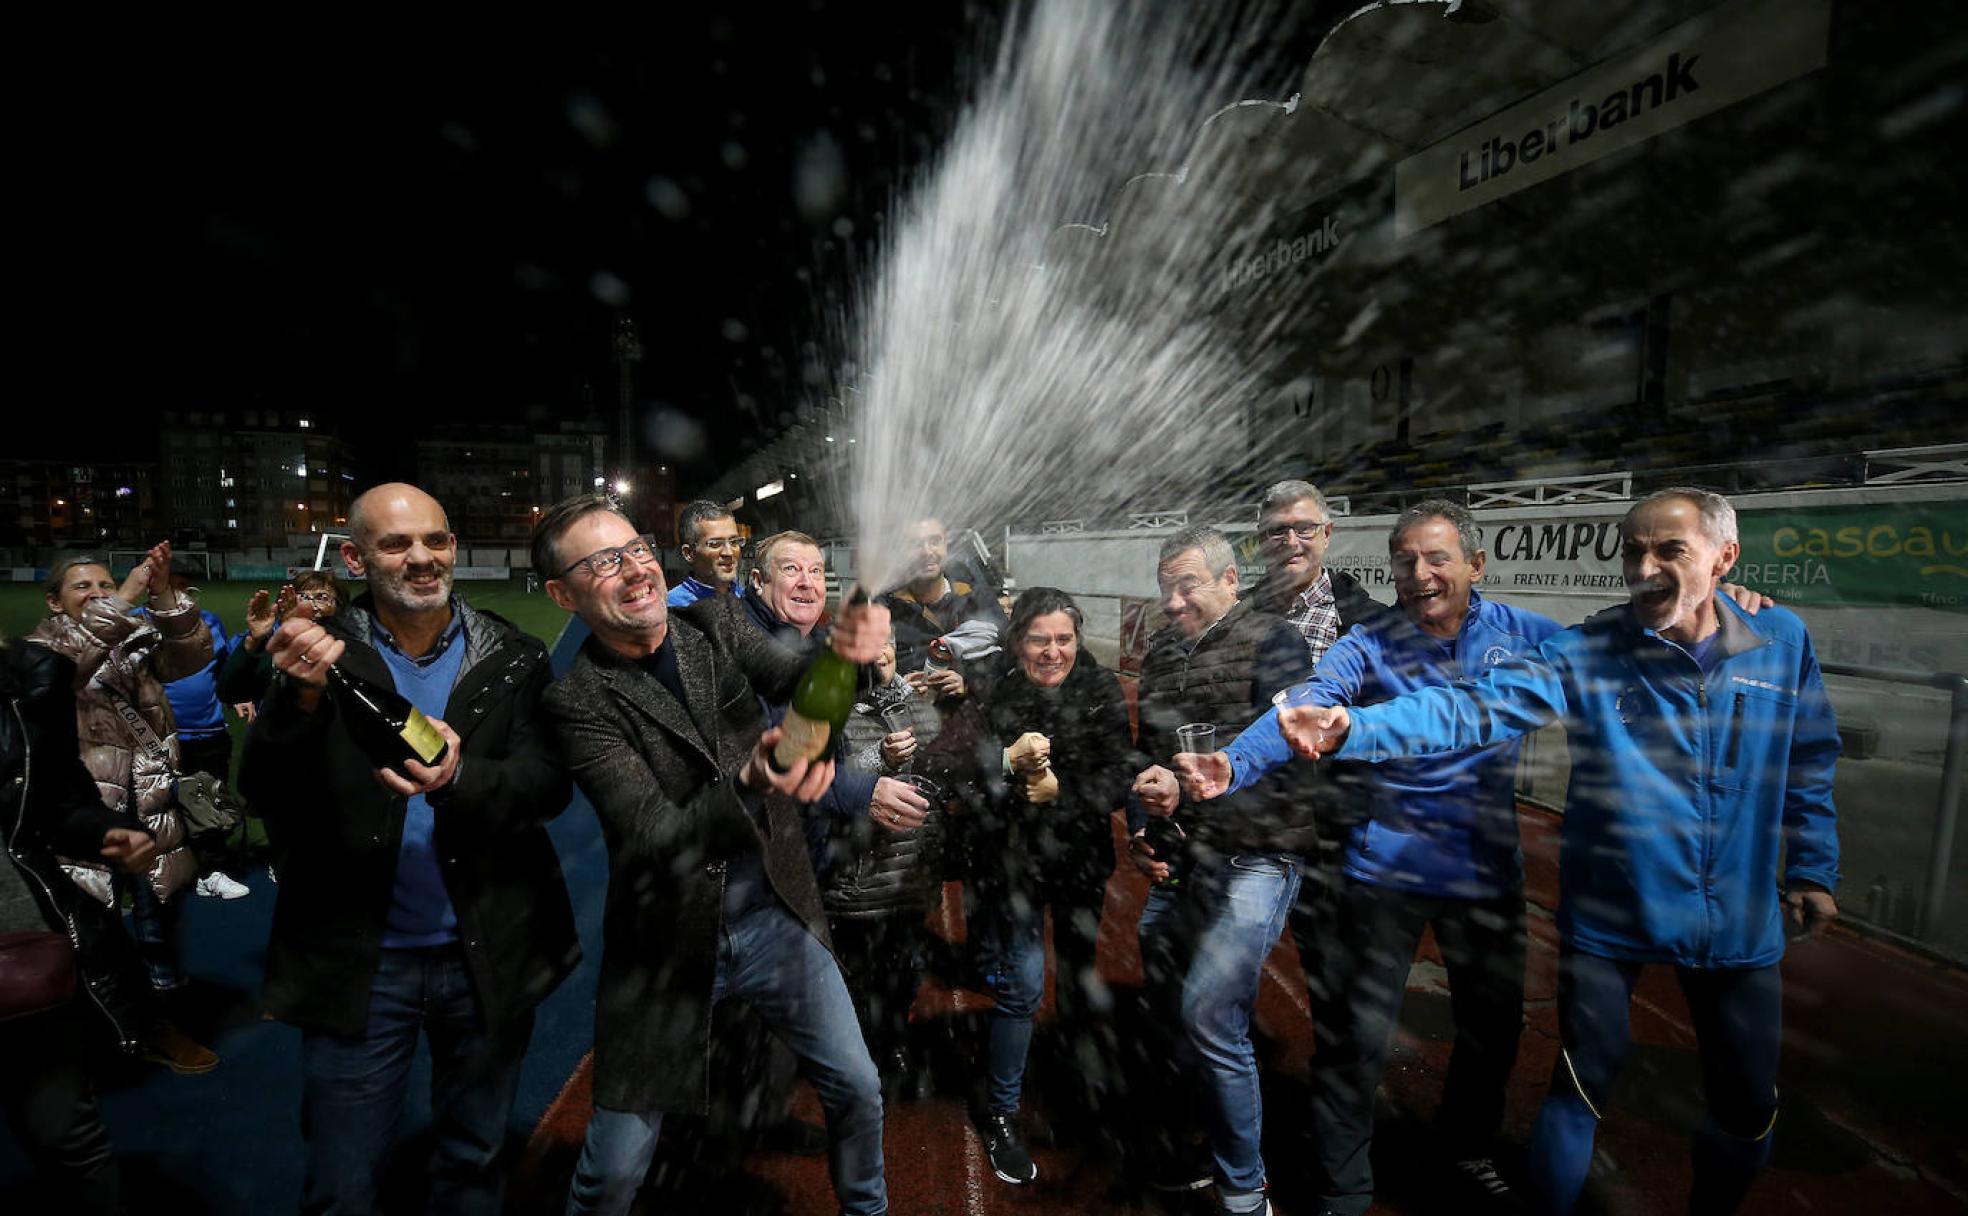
(305, 424)
(232, 523)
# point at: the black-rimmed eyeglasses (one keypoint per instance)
(1303, 531)
(604, 562)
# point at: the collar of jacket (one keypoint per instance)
(627, 679)
(778, 630)
(1739, 634)
(484, 632)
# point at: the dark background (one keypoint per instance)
(395, 231)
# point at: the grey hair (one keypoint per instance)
(693, 517)
(1285, 493)
(1469, 534)
(1718, 514)
(1214, 546)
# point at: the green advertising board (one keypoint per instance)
(1912, 553)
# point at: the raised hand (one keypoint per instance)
(1030, 753)
(898, 747)
(303, 651)
(803, 782)
(897, 805)
(1314, 730)
(422, 778)
(860, 631)
(259, 616)
(1205, 775)
(1158, 790)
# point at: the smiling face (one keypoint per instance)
(1193, 598)
(80, 587)
(928, 546)
(1048, 648)
(1432, 578)
(885, 665)
(628, 610)
(1293, 538)
(405, 549)
(792, 580)
(1672, 568)
(713, 556)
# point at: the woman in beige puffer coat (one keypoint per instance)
(122, 661)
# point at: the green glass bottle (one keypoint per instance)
(821, 703)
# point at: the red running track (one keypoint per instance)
(1875, 1050)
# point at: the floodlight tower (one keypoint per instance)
(628, 353)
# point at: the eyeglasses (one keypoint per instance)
(604, 562)
(719, 544)
(1303, 531)
(316, 598)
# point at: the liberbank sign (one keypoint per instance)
(1729, 53)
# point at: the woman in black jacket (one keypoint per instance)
(1044, 761)
(48, 806)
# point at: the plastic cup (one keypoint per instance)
(896, 717)
(1198, 738)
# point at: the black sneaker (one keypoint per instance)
(1478, 1184)
(1006, 1149)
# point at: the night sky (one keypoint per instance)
(403, 231)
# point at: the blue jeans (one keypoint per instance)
(1008, 939)
(355, 1085)
(768, 960)
(1228, 919)
(154, 927)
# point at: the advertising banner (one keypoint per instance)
(1731, 52)
(1915, 554)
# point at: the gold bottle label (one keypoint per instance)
(422, 736)
(801, 738)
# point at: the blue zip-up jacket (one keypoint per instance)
(195, 704)
(1439, 825)
(1685, 786)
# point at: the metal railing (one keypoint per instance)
(1947, 808)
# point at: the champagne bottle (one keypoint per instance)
(387, 728)
(821, 703)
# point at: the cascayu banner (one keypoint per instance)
(1915, 554)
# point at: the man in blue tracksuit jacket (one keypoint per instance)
(1702, 748)
(1438, 848)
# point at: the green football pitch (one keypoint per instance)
(21, 605)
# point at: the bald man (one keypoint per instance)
(420, 899)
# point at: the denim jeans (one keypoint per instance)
(1008, 940)
(1226, 921)
(769, 960)
(154, 927)
(355, 1086)
(1482, 943)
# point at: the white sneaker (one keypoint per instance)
(218, 884)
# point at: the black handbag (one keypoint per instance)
(37, 973)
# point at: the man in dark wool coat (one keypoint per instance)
(711, 894)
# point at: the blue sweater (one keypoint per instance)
(1686, 784)
(1442, 824)
(194, 700)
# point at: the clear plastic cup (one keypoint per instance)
(1198, 738)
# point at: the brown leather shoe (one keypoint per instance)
(177, 1051)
